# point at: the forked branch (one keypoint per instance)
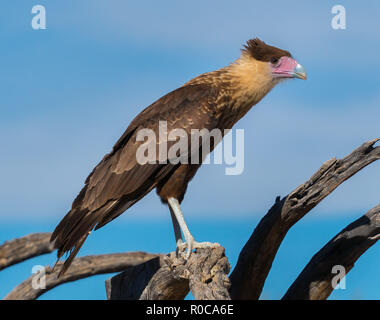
(315, 281)
(256, 258)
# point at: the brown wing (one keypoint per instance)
(119, 181)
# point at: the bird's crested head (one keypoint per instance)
(259, 68)
(249, 78)
(279, 63)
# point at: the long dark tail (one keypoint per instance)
(71, 233)
(75, 227)
(72, 255)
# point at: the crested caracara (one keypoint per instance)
(213, 100)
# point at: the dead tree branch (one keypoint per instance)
(18, 250)
(132, 284)
(81, 268)
(205, 274)
(315, 281)
(256, 258)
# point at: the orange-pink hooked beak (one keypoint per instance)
(289, 68)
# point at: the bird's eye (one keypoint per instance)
(274, 60)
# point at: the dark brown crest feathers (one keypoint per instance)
(263, 52)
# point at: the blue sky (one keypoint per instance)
(69, 92)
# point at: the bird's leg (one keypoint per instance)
(190, 243)
(176, 227)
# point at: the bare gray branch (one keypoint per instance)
(257, 256)
(81, 268)
(315, 281)
(18, 250)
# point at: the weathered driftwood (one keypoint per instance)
(256, 258)
(171, 277)
(18, 250)
(315, 281)
(81, 268)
